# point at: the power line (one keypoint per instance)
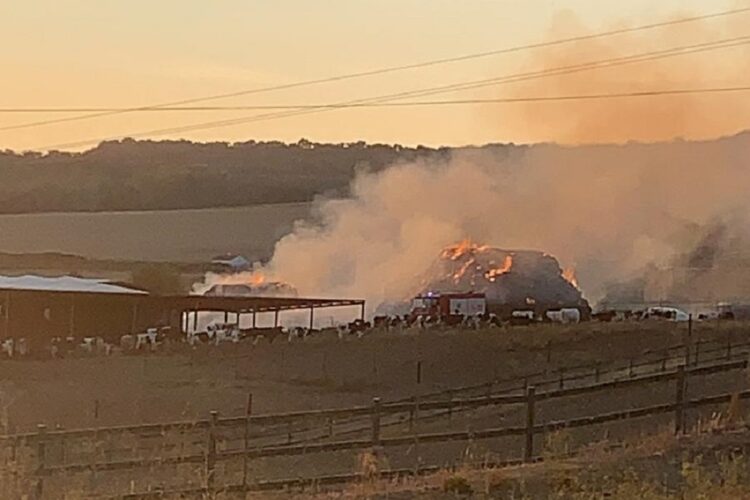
(391, 69)
(502, 100)
(513, 78)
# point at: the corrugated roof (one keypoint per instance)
(63, 284)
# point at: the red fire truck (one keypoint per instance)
(440, 305)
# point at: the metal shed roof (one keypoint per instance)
(63, 284)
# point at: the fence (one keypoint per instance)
(45, 444)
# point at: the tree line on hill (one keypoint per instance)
(159, 175)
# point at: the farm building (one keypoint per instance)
(40, 309)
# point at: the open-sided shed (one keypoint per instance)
(39, 310)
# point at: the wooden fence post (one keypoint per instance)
(211, 455)
(41, 452)
(679, 400)
(697, 350)
(375, 422)
(450, 404)
(529, 449)
(248, 414)
(729, 344)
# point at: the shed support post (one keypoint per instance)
(362, 311)
(312, 317)
(195, 320)
(134, 323)
(276, 318)
(254, 315)
(7, 315)
(72, 319)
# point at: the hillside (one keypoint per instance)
(159, 175)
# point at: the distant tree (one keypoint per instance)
(159, 279)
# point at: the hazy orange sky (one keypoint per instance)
(67, 53)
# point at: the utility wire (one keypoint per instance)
(513, 78)
(391, 69)
(501, 100)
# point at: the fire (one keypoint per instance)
(466, 246)
(569, 273)
(253, 278)
(492, 274)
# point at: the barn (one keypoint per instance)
(40, 308)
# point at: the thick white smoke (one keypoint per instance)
(607, 210)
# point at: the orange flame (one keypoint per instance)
(253, 278)
(569, 273)
(492, 274)
(466, 246)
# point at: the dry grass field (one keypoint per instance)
(168, 235)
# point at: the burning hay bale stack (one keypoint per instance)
(511, 280)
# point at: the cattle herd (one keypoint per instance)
(215, 334)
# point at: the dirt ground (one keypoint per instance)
(318, 372)
(324, 371)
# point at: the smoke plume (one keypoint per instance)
(608, 211)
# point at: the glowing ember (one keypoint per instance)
(492, 274)
(569, 273)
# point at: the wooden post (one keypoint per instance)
(312, 317)
(450, 405)
(630, 368)
(211, 455)
(72, 317)
(6, 316)
(248, 414)
(419, 373)
(690, 325)
(375, 422)
(41, 461)
(729, 344)
(679, 400)
(362, 311)
(697, 351)
(195, 320)
(529, 449)
(254, 315)
(134, 319)
(276, 318)
(226, 317)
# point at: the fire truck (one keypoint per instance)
(440, 305)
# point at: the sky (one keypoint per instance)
(106, 53)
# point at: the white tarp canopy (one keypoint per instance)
(63, 284)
